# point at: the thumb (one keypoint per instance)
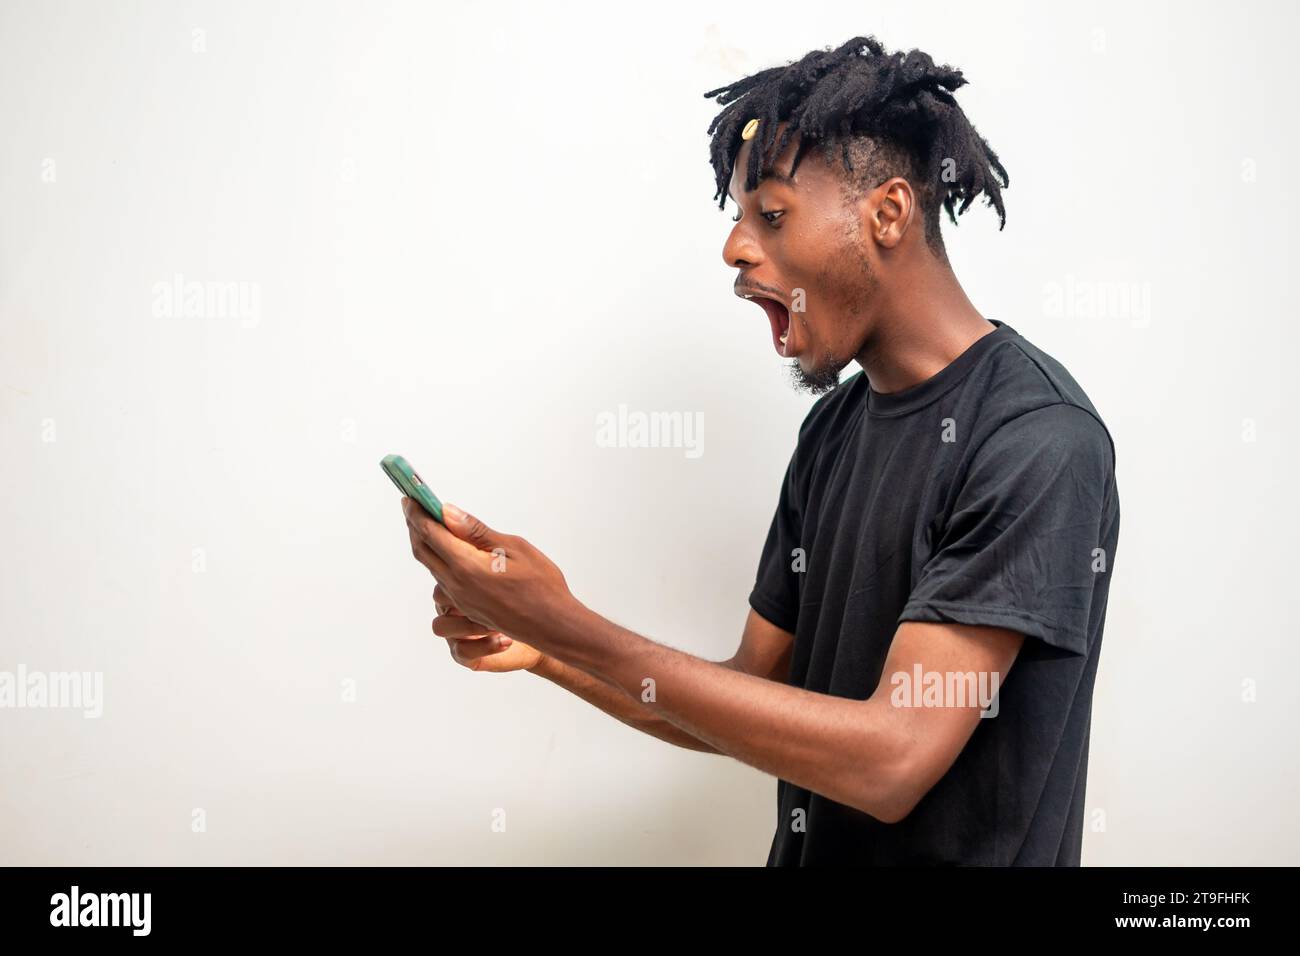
(468, 528)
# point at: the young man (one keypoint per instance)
(948, 512)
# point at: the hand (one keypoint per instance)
(474, 646)
(498, 580)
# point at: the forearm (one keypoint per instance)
(852, 751)
(616, 702)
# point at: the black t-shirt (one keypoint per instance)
(985, 495)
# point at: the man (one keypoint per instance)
(948, 512)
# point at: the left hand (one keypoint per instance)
(499, 580)
(474, 647)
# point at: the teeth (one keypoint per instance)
(783, 338)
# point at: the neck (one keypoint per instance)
(923, 325)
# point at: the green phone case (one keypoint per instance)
(411, 485)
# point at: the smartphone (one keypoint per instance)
(411, 485)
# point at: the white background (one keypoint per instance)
(475, 227)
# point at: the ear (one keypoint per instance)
(892, 207)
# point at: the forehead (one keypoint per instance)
(812, 175)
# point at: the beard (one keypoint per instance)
(824, 376)
(819, 381)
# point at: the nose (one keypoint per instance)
(740, 250)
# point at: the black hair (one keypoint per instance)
(892, 113)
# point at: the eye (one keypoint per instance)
(772, 215)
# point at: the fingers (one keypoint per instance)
(468, 641)
(460, 528)
(443, 602)
(469, 528)
(434, 535)
(426, 555)
(471, 653)
(460, 627)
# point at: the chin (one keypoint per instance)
(816, 380)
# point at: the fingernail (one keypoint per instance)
(505, 641)
(452, 512)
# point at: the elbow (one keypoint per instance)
(893, 805)
(896, 808)
(892, 786)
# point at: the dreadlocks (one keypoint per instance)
(889, 114)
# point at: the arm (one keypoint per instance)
(764, 652)
(872, 755)
(868, 754)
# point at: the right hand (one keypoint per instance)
(474, 646)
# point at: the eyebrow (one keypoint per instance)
(772, 176)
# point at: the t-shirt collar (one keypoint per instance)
(893, 404)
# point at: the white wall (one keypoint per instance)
(472, 228)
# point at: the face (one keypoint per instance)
(801, 256)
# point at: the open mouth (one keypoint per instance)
(779, 318)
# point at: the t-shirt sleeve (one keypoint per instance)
(1020, 548)
(776, 587)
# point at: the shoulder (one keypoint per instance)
(1028, 401)
(1047, 434)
